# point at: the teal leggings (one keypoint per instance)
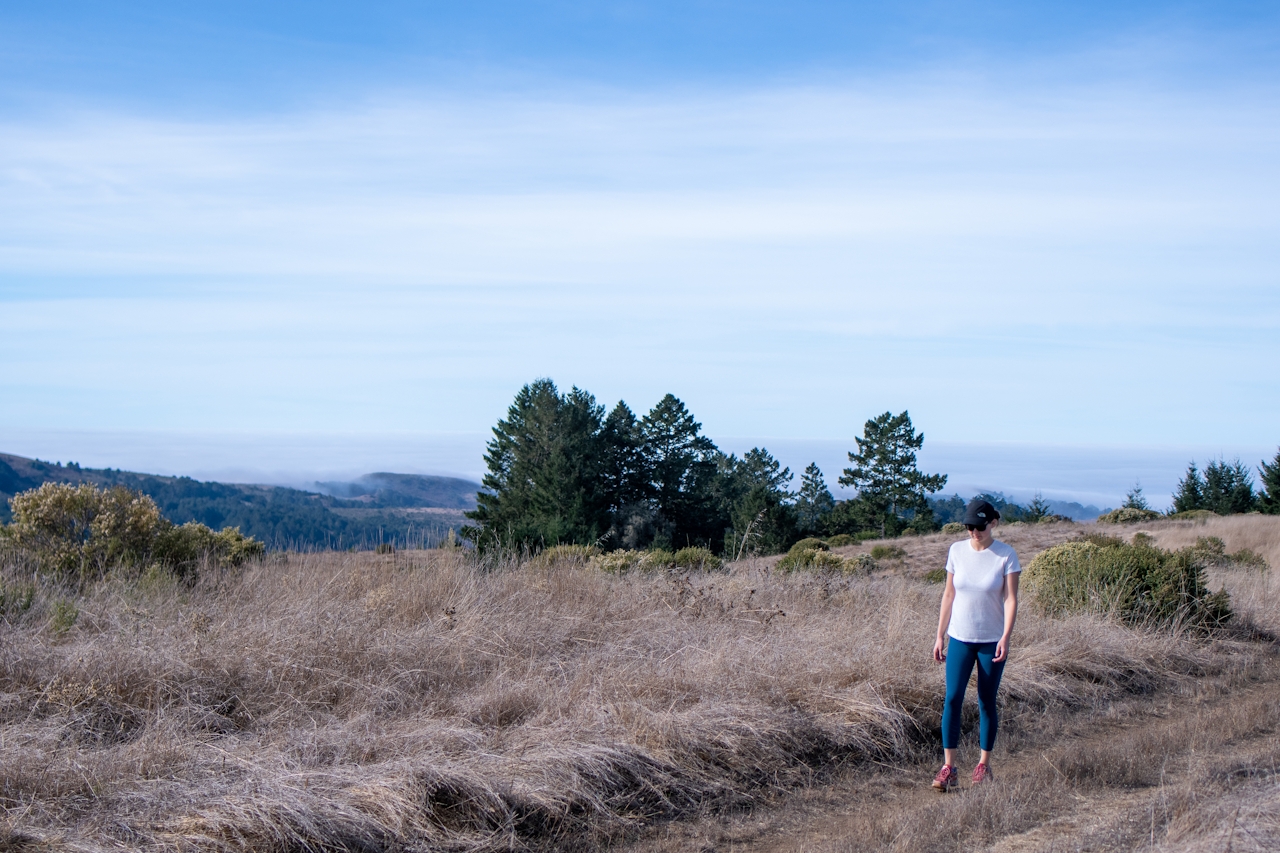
(961, 657)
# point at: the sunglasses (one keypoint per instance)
(977, 527)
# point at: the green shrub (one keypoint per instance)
(1054, 518)
(1128, 515)
(1136, 583)
(697, 559)
(840, 540)
(1212, 551)
(184, 546)
(823, 561)
(62, 616)
(565, 554)
(887, 552)
(618, 562)
(935, 575)
(1193, 515)
(809, 544)
(78, 532)
(865, 535)
(952, 527)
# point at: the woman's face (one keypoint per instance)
(984, 536)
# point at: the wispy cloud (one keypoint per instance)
(790, 259)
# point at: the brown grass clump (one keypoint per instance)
(424, 700)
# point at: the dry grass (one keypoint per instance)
(420, 701)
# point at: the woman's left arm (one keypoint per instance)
(1010, 615)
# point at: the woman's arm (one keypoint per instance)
(1010, 615)
(944, 619)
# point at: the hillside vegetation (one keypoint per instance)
(395, 509)
(439, 700)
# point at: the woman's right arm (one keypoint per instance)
(944, 619)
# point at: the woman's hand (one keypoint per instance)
(940, 650)
(1002, 650)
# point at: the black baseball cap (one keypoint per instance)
(979, 513)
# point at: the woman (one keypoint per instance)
(979, 607)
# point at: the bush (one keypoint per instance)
(697, 559)
(840, 540)
(79, 532)
(935, 575)
(1136, 583)
(823, 561)
(184, 546)
(887, 552)
(954, 527)
(809, 544)
(692, 559)
(1128, 515)
(565, 554)
(1193, 515)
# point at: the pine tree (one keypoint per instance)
(756, 503)
(1269, 493)
(1228, 487)
(814, 502)
(544, 484)
(683, 473)
(1039, 509)
(884, 472)
(1190, 493)
(1135, 499)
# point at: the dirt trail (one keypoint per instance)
(1164, 773)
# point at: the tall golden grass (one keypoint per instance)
(424, 700)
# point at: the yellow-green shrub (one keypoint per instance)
(565, 554)
(953, 527)
(697, 559)
(78, 532)
(809, 544)
(811, 559)
(887, 552)
(1136, 583)
(1128, 515)
(840, 540)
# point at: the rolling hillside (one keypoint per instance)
(399, 509)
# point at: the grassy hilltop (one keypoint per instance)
(426, 700)
(397, 509)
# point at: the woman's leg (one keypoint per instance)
(960, 660)
(989, 674)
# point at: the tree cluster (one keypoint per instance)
(562, 471)
(1224, 487)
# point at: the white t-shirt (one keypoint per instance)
(977, 616)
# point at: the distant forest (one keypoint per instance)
(394, 509)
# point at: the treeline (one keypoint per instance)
(562, 471)
(1223, 488)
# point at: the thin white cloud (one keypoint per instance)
(765, 250)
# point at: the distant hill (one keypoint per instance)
(400, 509)
(405, 490)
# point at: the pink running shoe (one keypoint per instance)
(947, 779)
(982, 773)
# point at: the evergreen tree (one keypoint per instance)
(814, 502)
(682, 467)
(756, 501)
(1135, 499)
(1190, 493)
(1228, 487)
(625, 475)
(1039, 509)
(544, 484)
(1269, 493)
(890, 487)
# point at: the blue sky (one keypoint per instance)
(1032, 224)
